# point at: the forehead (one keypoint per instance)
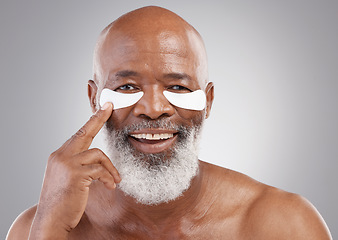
(159, 53)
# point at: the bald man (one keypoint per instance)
(150, 93)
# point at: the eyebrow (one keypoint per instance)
(179, 76)
(125, 74)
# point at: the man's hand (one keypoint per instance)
(69, 173)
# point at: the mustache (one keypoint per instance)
(121, 136)
(164, 124)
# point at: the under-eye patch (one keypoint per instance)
(192, 100)
(119, 100)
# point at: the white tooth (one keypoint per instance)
(164, 136)
(136, 135)
(150, 136)
(157, 136)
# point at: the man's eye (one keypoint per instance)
(126, 87)
(179, 88)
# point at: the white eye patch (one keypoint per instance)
(120, 100)
(193, 100)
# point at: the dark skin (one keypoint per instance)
(152, 50)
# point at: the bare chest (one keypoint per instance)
(223, 229)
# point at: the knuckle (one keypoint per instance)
(92, 170)
(95, 117)
(98, 153)
(81, 132)
(54, 156)
(58, 156)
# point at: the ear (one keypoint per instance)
(209, 90)
(92, 91)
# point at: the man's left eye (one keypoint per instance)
(179, 88)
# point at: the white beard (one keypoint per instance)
(158, 180)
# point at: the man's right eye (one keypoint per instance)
(126, 87)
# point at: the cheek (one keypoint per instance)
(190, 117)
(119, 118)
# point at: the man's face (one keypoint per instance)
(153, 133)
(151, 64)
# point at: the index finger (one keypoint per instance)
(82, 139)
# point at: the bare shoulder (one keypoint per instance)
(286, 215)
(266, 212)
(22, 224)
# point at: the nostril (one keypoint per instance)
(153, 105)
(153, 110)
(153, 117)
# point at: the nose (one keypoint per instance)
(153, 104)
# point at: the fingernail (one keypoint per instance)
(106, 106)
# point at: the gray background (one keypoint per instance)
(274, 64)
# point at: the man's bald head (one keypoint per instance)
(154, 30)
(152, 51)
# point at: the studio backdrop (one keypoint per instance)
(274, 65)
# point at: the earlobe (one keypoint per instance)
(209, 90)
(92, 91)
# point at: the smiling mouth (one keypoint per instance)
(152, 137)
(148, 142)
